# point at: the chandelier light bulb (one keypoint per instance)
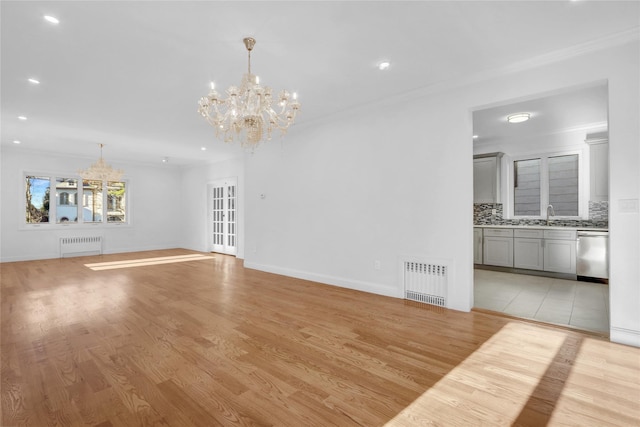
(213, 86)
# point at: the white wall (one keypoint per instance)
(195, 233)
(396, 179)
(369, 187)
(154, 208)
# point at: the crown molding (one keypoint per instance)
(616, 39)
(612, 40)
(589, 127)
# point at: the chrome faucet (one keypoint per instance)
(550, 207)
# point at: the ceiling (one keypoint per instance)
(580, 109)
(129, 74)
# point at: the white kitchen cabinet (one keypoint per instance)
(560, 251)
(498, 247)
(528, 251)
(477, 245)
(486, 178)
(599, 165)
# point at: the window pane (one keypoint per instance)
(66, 200)
(526, 192)
(37, 199)
(116, 202)
(92, 201)
(563, 185)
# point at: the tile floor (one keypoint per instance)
(582, 305)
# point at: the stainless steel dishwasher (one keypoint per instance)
(592, 254)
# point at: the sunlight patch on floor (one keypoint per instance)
(496, 381)
(146, 261)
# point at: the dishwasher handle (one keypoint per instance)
(593, 234)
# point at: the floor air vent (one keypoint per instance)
(425, 282)
(79, 246)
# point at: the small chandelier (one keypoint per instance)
(101, 171)
(248, 114)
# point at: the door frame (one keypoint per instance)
(224, 183)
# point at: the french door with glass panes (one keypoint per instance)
(223, 230)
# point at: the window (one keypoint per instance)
(38, 193)
(116, 202)
(66, 196)
(526, 188)
(563, 185)
(92, 209)
(76, 201)
(547, 180)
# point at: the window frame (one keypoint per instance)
(583, 185)
(53, 223)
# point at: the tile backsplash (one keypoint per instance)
(598, 217)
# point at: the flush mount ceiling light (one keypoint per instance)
(247, 115)
(101, 171)
(51, 19)
(518, 117)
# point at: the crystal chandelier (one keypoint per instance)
(101, 171)
(248, 114)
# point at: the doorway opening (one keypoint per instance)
(537, 184)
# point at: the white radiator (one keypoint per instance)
(79, 246)
(426, 282)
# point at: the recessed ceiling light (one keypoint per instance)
(384, 65)
(51, 19)
(165, 160)
(34, 81)
(203, 148)
(518, 117)
(475, 136)
(16, 141)
(22, 118)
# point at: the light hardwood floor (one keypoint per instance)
(205, 342)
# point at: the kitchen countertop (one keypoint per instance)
(542, 227)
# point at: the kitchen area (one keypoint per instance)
(541, 209)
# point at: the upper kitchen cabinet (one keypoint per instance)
(599, 165)
(486, 178)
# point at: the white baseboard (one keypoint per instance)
(141, 249)
(56, 254)
(624, 336)
(30, 257)
(373, 288)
